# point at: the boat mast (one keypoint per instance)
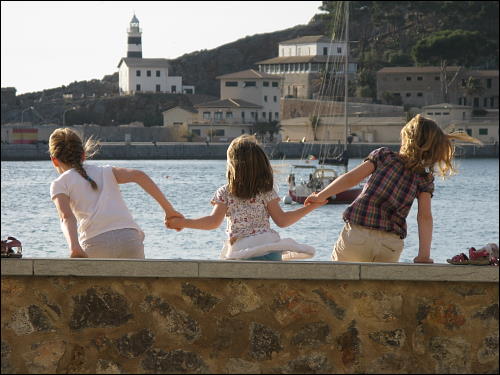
(346, 89)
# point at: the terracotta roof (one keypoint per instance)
(308, 39)
(185, 108)
(138, 62)
(248, 74)
(416, 69)
(228, 103)
(483, 73)
(303, 59)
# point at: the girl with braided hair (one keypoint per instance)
(94, 218)
(375, 223)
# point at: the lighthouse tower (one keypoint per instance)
(134, 44)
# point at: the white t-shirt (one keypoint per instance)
(96, 211)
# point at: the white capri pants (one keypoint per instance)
(119, 243)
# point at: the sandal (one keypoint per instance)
(8, 248)
(479, 257)
(459, 259)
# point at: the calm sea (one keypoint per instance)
(465, 209)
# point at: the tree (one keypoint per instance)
(314, 122)
(447, 47)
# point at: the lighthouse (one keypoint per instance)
(134, 43)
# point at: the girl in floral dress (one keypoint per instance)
(248, 200)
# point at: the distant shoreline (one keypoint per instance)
(217, 151)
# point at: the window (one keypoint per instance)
(206, 115)
(420, 78)
(420, 94)
(173, 89)
(137, 87)
(436, 78)
(314, 67)
(464, 83)
(476, 102)
(483, 131)
(231, 83)
(196, 132)
(270, 116)
(469, 132)
(325, 51)
(492, 101)
(137, 73)
(275, 84)
(465, 101)
(339, 50)
(396, 94)
(276, 115)
(249, 84)
(460, 101)
(242, 131)
(265, 98)
(463, 115)
(218, 115)
(408, 94)
(265, 83)
(243, 115)
(252, 114)
(275, 98)
(437, 113)
(446, 113)
(229, 115)
(408, 78)
(157, 73)
(158, 88)
(485, 102)
(488, 83)
(148, 73)
(219, 132)
(134, 40)
(430, 113)
(177, 124)
(263, 115)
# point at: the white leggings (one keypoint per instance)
(119, 243)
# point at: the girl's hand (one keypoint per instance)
(173, 215)
(175, 222)
(78, 252)
(313, 198)
(419, 259)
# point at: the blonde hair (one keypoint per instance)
(249, 171)
(66, 146)
(424, 146)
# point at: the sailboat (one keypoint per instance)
(321, 172)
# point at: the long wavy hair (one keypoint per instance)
(249, 171)
(424, 146)
(66, 146)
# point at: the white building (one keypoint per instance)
(303, 61)
(137, 74)
(254, 87)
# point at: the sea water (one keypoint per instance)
(465, 209)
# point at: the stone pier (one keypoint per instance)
(168, 316)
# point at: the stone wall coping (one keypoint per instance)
(303, 270)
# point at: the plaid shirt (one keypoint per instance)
(387, 197)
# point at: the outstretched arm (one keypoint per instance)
(286, 218)
(209, 222)
(126, 175)
(68, 226)
(425, 224)
(344, 182)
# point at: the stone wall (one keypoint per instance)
(187, 150)
(154, 316)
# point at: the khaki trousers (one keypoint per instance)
(361, 244)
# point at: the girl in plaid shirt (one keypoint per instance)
(375, 223)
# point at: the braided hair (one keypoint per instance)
(66, 145)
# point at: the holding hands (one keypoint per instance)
(314, 198)
(174, 220)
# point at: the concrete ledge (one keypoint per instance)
(247, 270)
(17, 267)
(433, 272)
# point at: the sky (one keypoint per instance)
(47, 44)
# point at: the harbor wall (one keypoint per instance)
(187, 150)
(160, 316)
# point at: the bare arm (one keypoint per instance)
(209, 222)
(286, 218)
(126, 175)
(344, 182)
(68, 225)
(425, 224)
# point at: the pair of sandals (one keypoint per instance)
(8, 247)
(476, 257)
